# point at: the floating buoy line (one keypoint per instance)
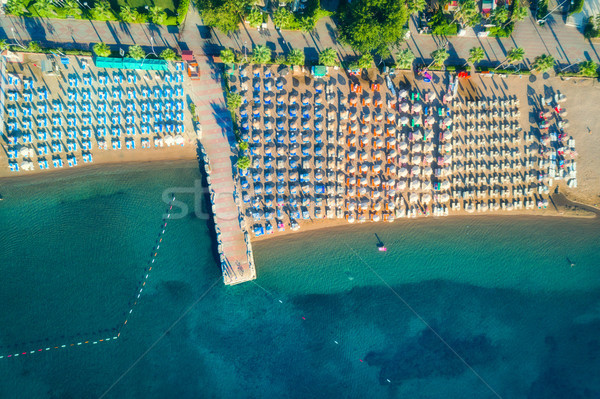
(147, 272)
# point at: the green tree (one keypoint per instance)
(4, 44)
(416, 6)
(45, 7)
(500, 16)
(404, 59)
(129, 14)
(365, 61)
(283, 18)
(518, 13)
(157, 15)
(439, 57)
(223, 14)
(254, 18)
(34, 47)
(227, 56)
(168, 54)
(136, 52)
(296, 57)
(467, 13)
(243, 145)
(543, 63)
(588, 68)
(71, 8)
(102, 10)
(373, 25)
(102, 50)
(476, 54)
(328, 57)
(234, 101)
(16, 7)
(515, 55)
(261, 55)
(243, 162)
(307, 24)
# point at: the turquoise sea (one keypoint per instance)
(479, 308)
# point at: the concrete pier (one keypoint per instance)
(217, 141)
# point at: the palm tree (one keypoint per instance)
(71, 8)
(514, 56)
(296, 57)
(518, 13)
(415, 6)
(45, 7)
(467, 13)
(157, 15)
(588, 68)
(102, 10)
(102, 50)
(168, 54)
(404, 59)
(16, 7)
(136, 52)
(227, 56)
(328, 57)
(543, 63)
(128, 14)
(476, 54)
(261, 55)
(4, 44)
(439, 56)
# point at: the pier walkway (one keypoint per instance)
(217, 140)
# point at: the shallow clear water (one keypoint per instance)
(499, 292)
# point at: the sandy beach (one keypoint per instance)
(355, 149)
(82, 115)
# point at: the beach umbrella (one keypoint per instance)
(403, 121)
(366, 100)
(27, 165)
(364, 168)
(169, 140)
(444, 197)
(414, 198)
(293, 98)
(445, 185)
(376, 217)
(352, 192)
(391, 130)
(403, 159)
(330, 163)
(351, 205)
(363, 156)
(402, 172)
(401, 185)
(179, 140)
(391, 118)
(256, 124)
(447, 135)
(352, 154)
(430, 120)
(417, 135)
(376, 181)
(378, 116)
(362, 190)
(428, 158)
(268, 124)
(351, 169)
(428, 171)
(377, 168)
(26, 151)
(417, 108)
(319, 86)
(376, 194)
(367, 118)
(447, 147)
(428, 147)
(417, 148)
(392, 153)
(428, 135)
(402, 94)
(318, 99)
(344, 115)
(319, 125)
(364, 140)
(390, 205)
(391, 142)
(362, 218)
(377, 206)
(353, 99)
(377, 130)
(364, 129)
(415, 171)
(352, 181)
(403, 145)
(447, 121)
(378, 143)
(377, 154)
(426, 198)
(351, 218)
(391, 168)
(415, 184)
(404, 107)
(447, 159)
(426, 185)
(353, 117)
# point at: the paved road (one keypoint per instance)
(565, 43)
